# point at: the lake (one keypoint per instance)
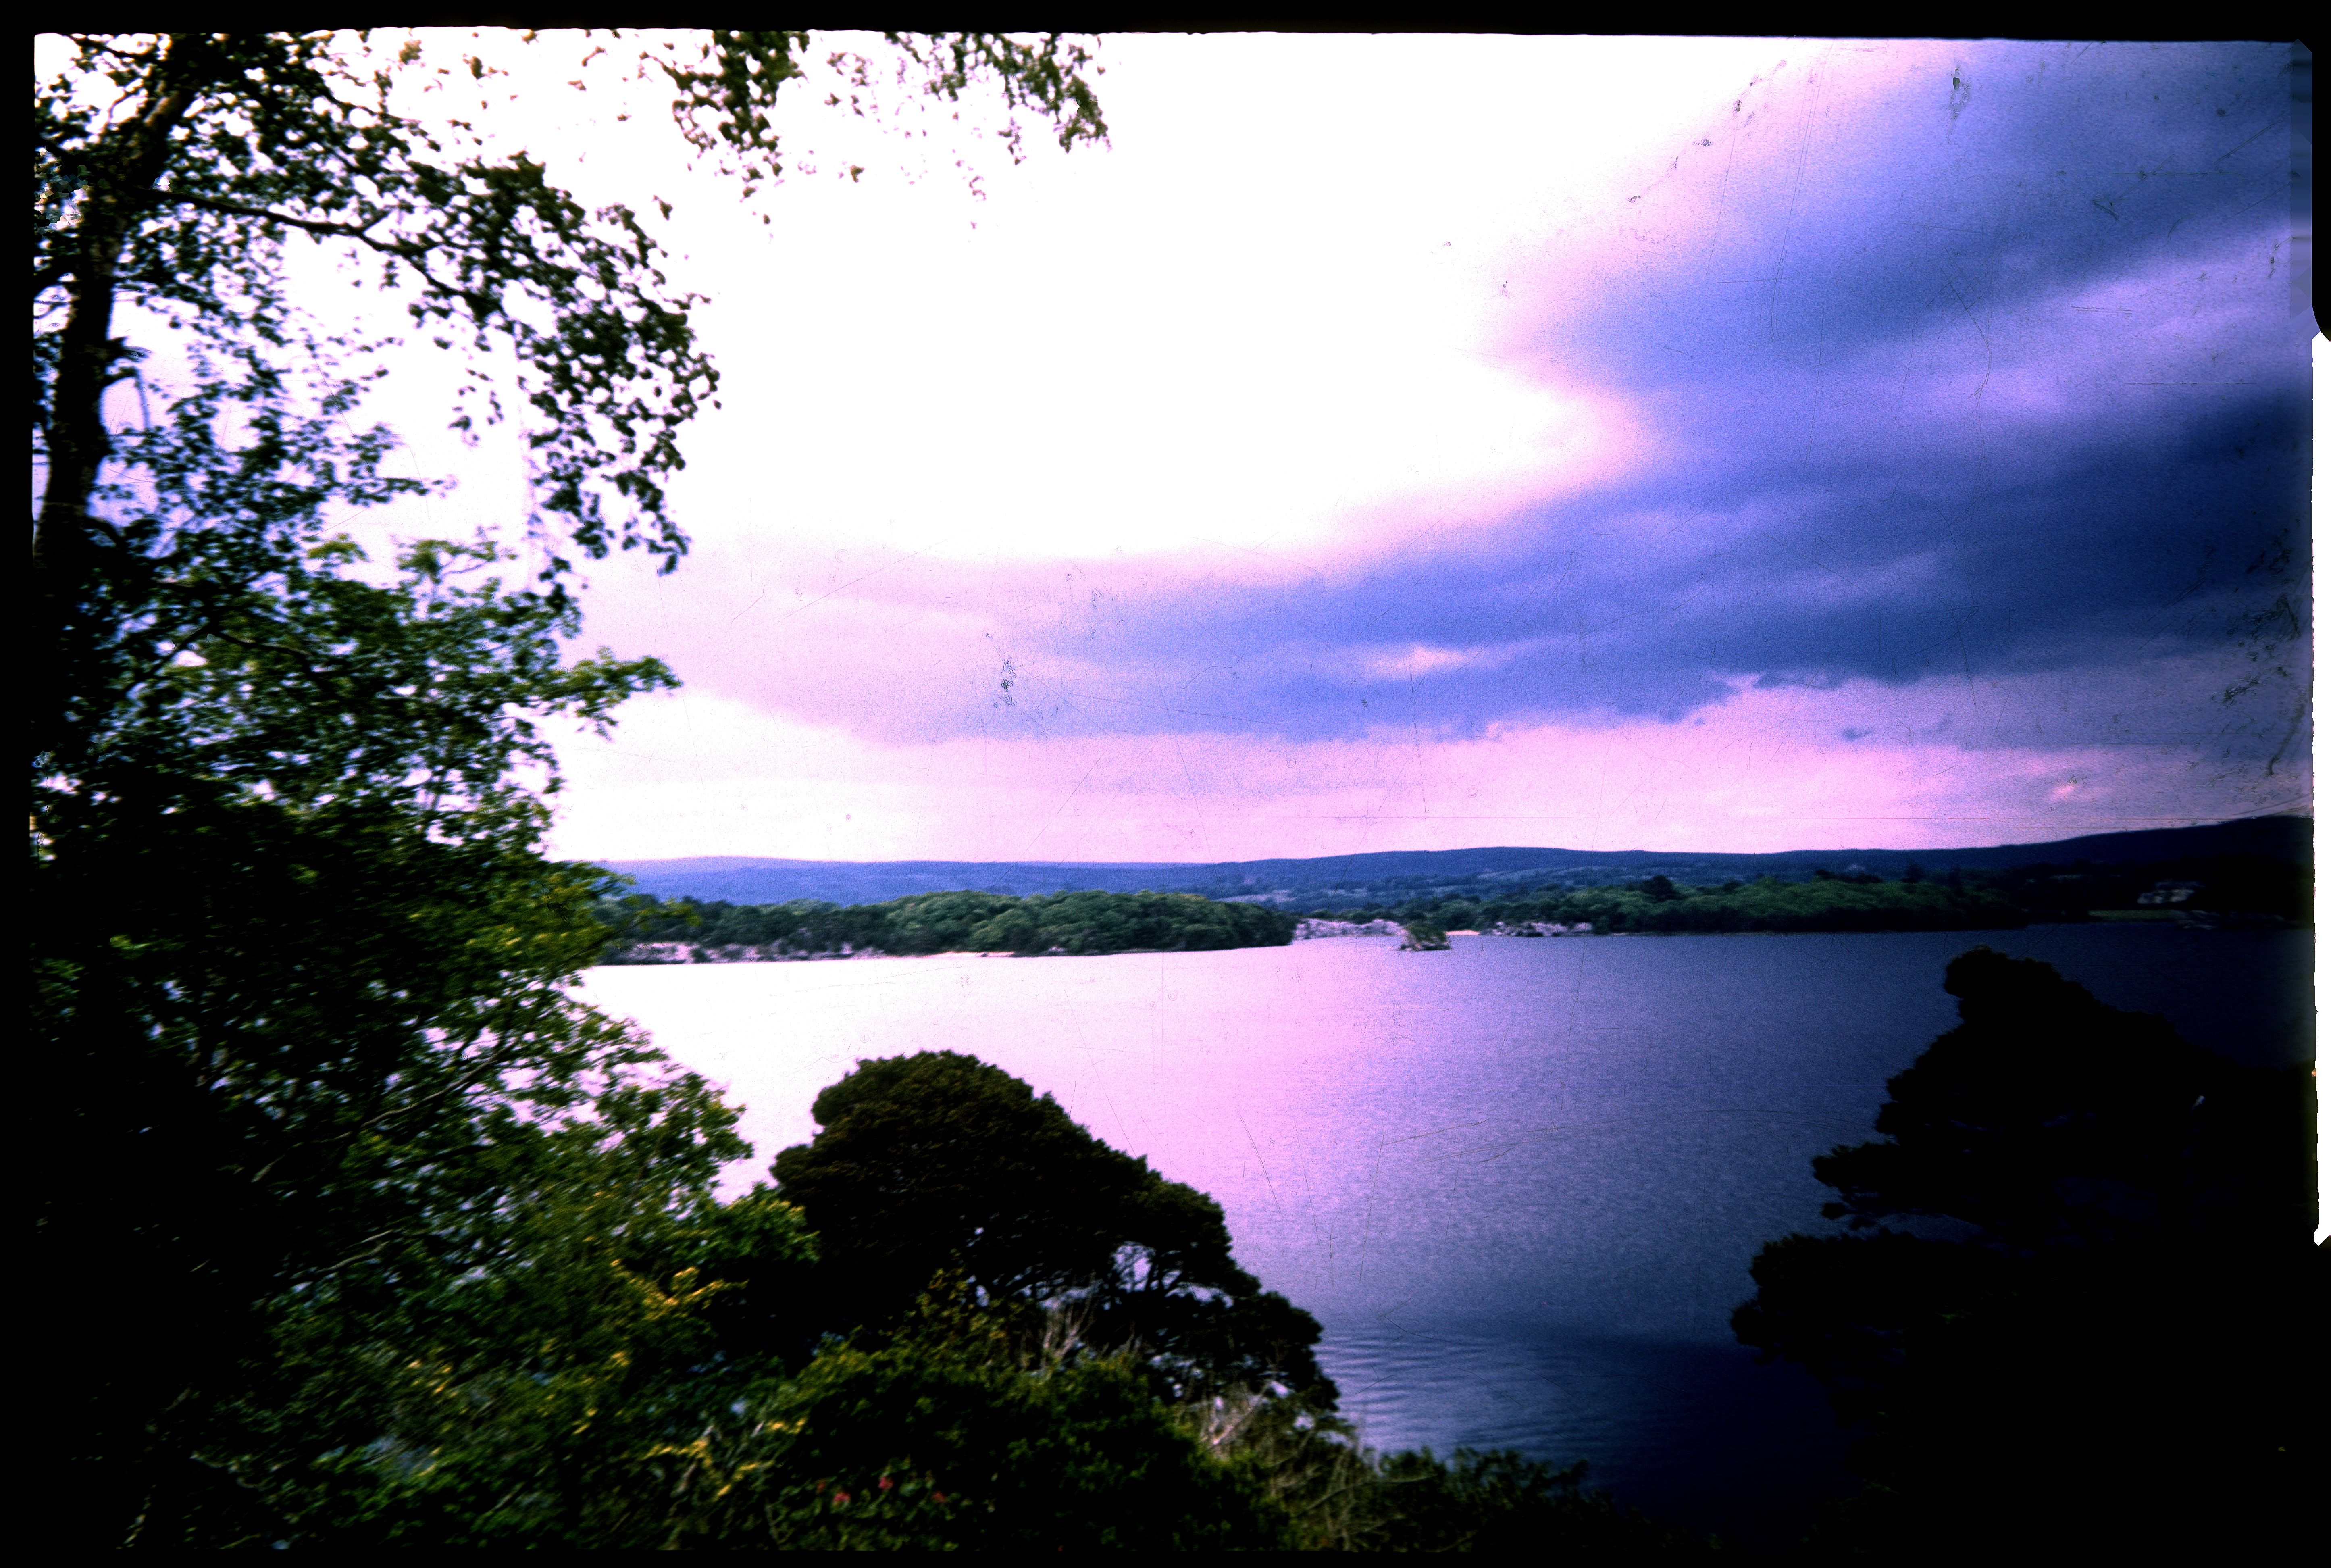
(1521, 1181)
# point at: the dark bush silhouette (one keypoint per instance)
(941, 1442)
(1503, 1503)
(939, 1160)
(2075, 1305)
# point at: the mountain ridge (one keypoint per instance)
(751, 879)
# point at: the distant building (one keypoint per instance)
(2169, 893)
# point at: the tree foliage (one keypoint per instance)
(1503, 1503)
(953, 1436)
(936, 1161)
(171, 172)
(2262, 891)
(2047, 1118)
(644, 929)
(306, 960)
(595, 1351)
(305, 985)
(1767, 904)
(498, 1381)
(2076, 1296)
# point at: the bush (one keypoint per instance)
(938, 1160)
(947, 1444)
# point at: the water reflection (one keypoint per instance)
(1521, 1181)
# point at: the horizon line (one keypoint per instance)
(2169, 824)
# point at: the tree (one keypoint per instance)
(2075, 1298)
(2047, 1119)
(1423, 936)
(1501, 1502)
(958, 1434)
(938, 1160)
(509, 1393)
(172, 171)
(302, 959)
(303, 984)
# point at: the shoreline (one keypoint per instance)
(696, 958)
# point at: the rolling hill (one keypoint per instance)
(1357, 880)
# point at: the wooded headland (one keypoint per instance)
(644, 930)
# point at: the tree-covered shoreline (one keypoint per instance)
(2245, 890)
(2233, 890)
(1768, 904)
(1658, 905)
(644, 930)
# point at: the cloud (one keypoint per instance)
(1529, 400)
(2010, 372)
(695, 774)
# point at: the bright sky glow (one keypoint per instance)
(1390, 442)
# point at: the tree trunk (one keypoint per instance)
(123, 170)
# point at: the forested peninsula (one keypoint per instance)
(644, 930)
(1827, 903)
(2215, 890)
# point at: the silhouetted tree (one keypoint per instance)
(1501, 1502)
(955, 1436)
(939, 1160)
(2074, 1306)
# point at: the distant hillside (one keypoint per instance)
(1395, 875)
(737, 879)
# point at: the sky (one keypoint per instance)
(1399, 442)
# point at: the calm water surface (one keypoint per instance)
(1520, 1183)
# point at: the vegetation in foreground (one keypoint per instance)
(2077, 1298)
(956, 1321)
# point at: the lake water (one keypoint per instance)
(1520, 1183)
